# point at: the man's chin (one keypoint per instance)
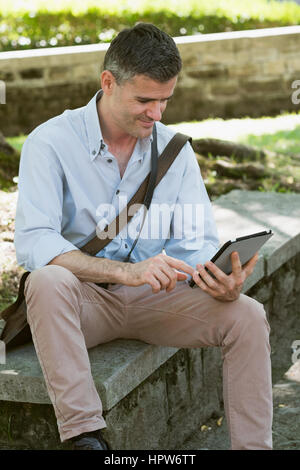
(145, 131)
(141, 132)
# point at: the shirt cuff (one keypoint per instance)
(45, 249)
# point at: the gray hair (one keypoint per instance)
(143, 50)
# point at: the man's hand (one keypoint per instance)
(159, 271)
(225, 288)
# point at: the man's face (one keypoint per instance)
(138, 103)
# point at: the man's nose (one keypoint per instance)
(155, 110)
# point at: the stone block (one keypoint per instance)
(288, 44)
(32, 73)
(59, 74)
(87, 71)
(258, 56)
(274, 68)
(199, 47)
(265, 85)
(263, 291)
(293, 65)
(225, 87)
(210, 57)
(208, 71)
(247, 69)
(191, 60)
(7, 76)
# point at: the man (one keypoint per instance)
(89, 158)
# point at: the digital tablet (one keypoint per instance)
(246, 247)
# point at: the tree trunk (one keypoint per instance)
(5, 147)
(9, 164)
(222, 148)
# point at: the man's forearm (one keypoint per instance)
(92, 269)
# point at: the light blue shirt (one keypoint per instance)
(69, 184)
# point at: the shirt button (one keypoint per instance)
(109, 160)
(94, 152)
(117, 192)
(126, 246)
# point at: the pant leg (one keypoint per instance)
(190, 318)
(66, 317)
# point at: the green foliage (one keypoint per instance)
(284, 141)
(39, 24)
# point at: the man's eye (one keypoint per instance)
(148, 101)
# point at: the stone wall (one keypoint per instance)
(224, 75)
(280, 294)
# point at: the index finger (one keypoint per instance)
(179, 264)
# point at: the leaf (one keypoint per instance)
(205, 428)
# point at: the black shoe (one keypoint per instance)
(89, 441)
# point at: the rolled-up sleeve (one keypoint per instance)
(193, 232)
(38, 220)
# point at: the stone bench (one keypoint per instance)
(156, 397)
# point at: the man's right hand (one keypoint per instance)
(159, 271)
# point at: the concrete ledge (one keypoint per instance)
(124, 368)
(60, 53)
(117, 367)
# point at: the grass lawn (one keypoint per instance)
(279, 134)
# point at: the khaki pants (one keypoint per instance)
(67, 316)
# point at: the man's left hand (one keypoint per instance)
(225, 288)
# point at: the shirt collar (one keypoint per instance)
(95, 139)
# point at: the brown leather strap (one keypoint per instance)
(164, 162)
(97, 244)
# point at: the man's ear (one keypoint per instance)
(108, 82)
